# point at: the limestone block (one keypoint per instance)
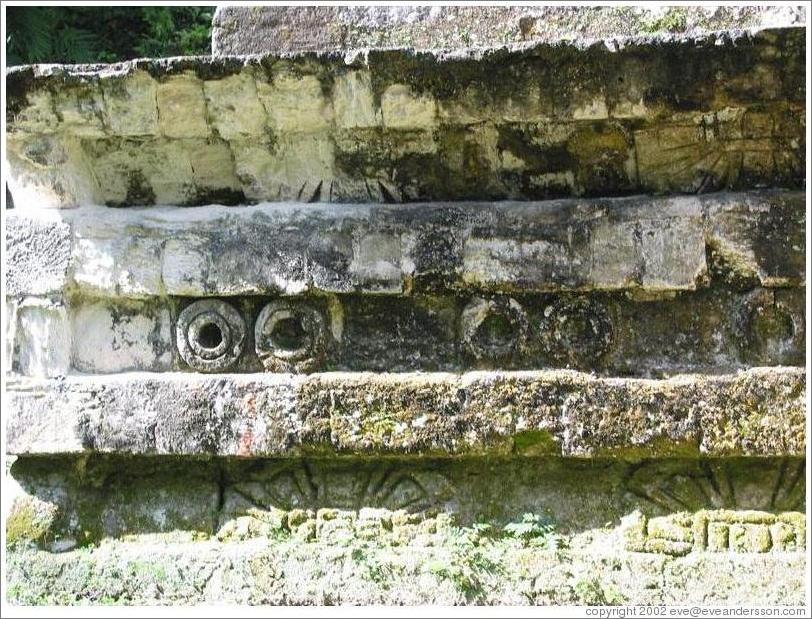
(130, 104)
(182, 107)
(38, 116)
(777, 254)
(38, 252)
(403, 109)
(81, 110)
(264, 415)
(526, 104)
(131, 172)
(672, 251)
(50, 171)
(376, 263)
(295, 103)
(233, 105)
(190, 269)
(353, 101)
(120, 339)
(213, 174)
(499, 262)
(105, 262)
(42, 344)
(296, 168)
(9, 326)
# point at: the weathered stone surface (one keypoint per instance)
(451, 572)
(402, 500)
(444, 449)
(719, 531)
(257, 30)
(696, 114)
(757, 412)
(457, 525)
(653, 244)
(128, 336)
(608, 334)
(38, 254)
(42, 338)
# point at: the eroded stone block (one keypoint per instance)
(119, 338)
(39, 253)
(42, 343)
(182, 107)
(130, 104)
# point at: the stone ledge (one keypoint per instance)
(251, 30)
(756, 412)
(724, 110)
(641, 242)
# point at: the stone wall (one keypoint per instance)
(507, 325)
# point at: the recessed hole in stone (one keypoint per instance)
(573, 328)
(289, 333)
(210, 336)
(496, 331)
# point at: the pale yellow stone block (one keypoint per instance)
(295, 103)
(234, 108)
(353, 101)
(403, 109)
(182, 108)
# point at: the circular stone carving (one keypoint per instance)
(290, 336)
(210, 335)
(773, 332)
(494, 328)
(577, 331)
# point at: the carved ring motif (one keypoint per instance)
(773, 332)
(494, 328)
(210, 335)
(290, 336)
(576, 331)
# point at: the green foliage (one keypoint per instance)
(105, 33)
(591, 592)
(468, 565)
(535, 530)
(674, 20)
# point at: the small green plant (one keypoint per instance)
(674, 20)
(591, 592)
(535, 530)
(469, 565)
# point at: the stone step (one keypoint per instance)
(695, 114)
(760, 411)
(642, 243)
